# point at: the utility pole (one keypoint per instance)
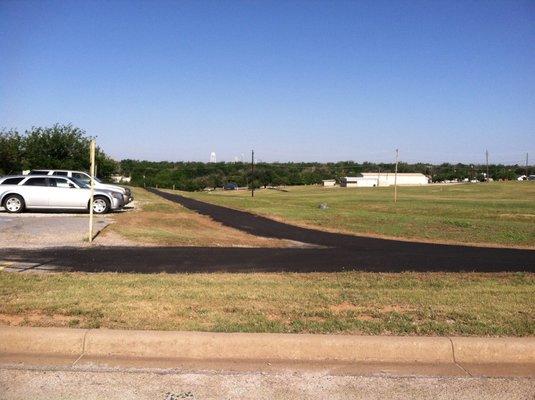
(92, 186)
(252, 173)
(527, 155)
(378, 176)
(487, 158)
(396, 179)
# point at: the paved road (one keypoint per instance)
(48, 383)
(332, 252)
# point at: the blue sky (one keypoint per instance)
(302, 81)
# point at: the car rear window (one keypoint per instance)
(36, 182)
(12, 181)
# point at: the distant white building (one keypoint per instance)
(121, 179)
(329, 182)
(372, 179)
(363, 181)
(349, 181)
(387, 178)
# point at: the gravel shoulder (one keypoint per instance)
(172, 385)
(41, 230)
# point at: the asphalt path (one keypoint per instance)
(330, 252)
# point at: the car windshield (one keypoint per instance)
(80, 183)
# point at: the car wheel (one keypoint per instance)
(13, 203)
(101, 205)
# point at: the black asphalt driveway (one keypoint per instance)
(333, 252)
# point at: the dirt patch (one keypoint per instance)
(366, 317)
(37, 319)
(526, 216)
(395, 308)
(109, 237)
(366, 313)
(344, 307)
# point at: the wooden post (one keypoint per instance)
(252, 173)
(396, 179)
(487, 161)
(92, 186)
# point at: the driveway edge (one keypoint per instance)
(109, 344)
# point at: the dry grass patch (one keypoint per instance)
(349, 302)
(157, 221)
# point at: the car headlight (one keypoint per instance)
(117, 195)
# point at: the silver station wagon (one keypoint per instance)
(85, 178)
(21, 192)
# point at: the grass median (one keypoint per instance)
(350, 302)
(498, 213)
(158, 222)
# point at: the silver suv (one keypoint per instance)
(21, 192)
(85, 178)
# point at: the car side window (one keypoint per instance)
(36, 182)
(82, 177)
(60, 183)
(12, 181)
(60, 173)
(38, 172)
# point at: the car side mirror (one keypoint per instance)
(71, 185)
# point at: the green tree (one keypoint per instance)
(10, 152)
(62, 147)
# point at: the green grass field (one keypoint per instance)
(500, 213)
(349, 302)
(346, 302)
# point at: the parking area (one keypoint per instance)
(47, 229)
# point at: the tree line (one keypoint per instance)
(67, 147)
(192, 176)
(55, 147)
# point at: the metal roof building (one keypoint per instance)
(372, 179)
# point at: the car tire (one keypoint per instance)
(101, 205)
(14, 204)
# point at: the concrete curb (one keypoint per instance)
(108, 344)
(262, 346)
(49, 341)
(491, 350)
